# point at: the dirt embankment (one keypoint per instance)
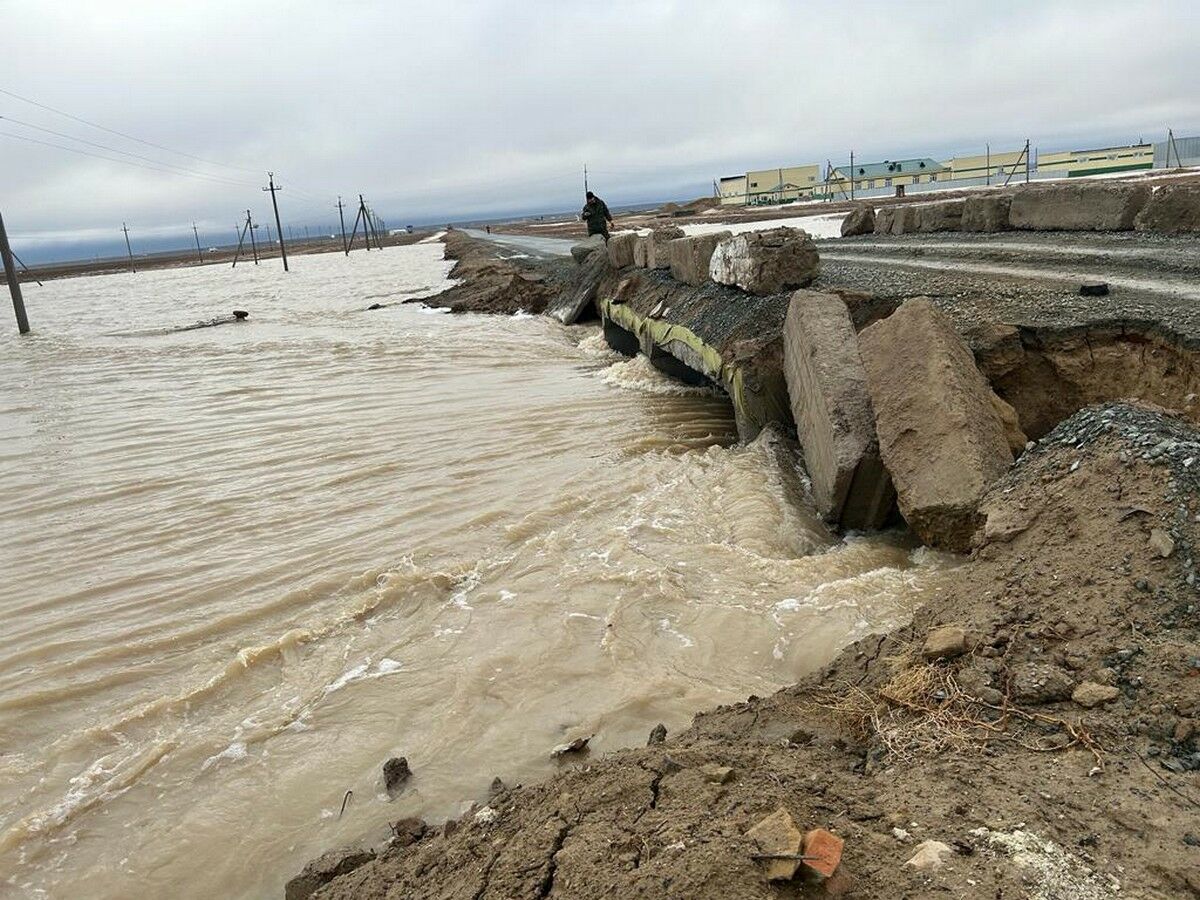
(1038, 718)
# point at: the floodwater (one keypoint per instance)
(243, 566)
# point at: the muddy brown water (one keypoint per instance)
(243, 566)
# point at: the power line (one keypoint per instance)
(128, 137)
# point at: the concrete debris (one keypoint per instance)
(1161, 542)
(777, 836)
(1078, 206)
(1173, 209)
(581, 292)
(620, 249)
(939, 433)
(766, 262)
(407, 831)
(861, 220)
(930, 855)
(822, 851)
(1037, 683)
(945, 642)
(884, 218)
(586, 247)
(717, 774)
(986, 212)
(658, 735)
(1090, 694)
(486, 816)
(651, 251)
(578, 745)
(395, 773)
(322, 870)
(690, 256)
(831, 405)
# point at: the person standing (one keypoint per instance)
(596, 214)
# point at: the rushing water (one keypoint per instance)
(244, 565)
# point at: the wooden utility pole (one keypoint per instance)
(250, 227)
(585, 184)
(988, 167)
(851, 174)
(364, 216)
(14, 286)
(128, 248)
(278, 226)
(199, 255)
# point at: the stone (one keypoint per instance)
(831, 405)
(1161, 542)
(586, 247)
(1090, 694)
(407, 831)
(497, 789)
(1078, 206)
(945, 642)
(1173, 209)
(884, 217)
(323, 870)
(395, 773)
(1038, 683)
(777, 835)
(945, 215)
(929, 856)
(620, 249)
(766, 262)
(581, 291)
(861, 220)
(997, 347)
(578, 745)
(824, 850)
(1005, 521)
(1093, 289)
(717, 774)
(690, 256)
(651, 251)
(986, 212)
(658, 734)
(939, 434)
(1016, 438)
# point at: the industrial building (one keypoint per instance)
(887, 174)
(1075, 163)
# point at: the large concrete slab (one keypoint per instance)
(620, 249)
(766, 262)
(860, 220)
(939, 432)
(1077, 206)
(1173, 209)
(575, 302)
(835, 422)
(652, 251)
(690, 256)
(987, 212)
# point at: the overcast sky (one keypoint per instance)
(452, 109)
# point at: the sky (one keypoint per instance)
(444, 111)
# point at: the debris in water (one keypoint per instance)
(576, 746)
(658, 734)
(395, 773)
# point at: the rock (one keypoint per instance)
(578, 745)
(766, 262)
(945, 215)
(1037, 683)
(1161, 542)
(581, 293)
(486, 816)
(717, 774)
(586, 247)
(884, 218)
(651, 251)
(929, 856)
(395, 773)
(998, 348)
(323, 870)
(1090, 694)
(658, 734)
(1093, 289)
(835, 422)
(496, 789)
(690, 256)
(1005, 521)
(407, 831)
(1078, 206)
(824, 850)
(777, 835)
(939, 433)
(1173, 209)
(861, 220)
(375, 306)
(945, 642)
(620, 249)
(1012, 425)
(986, 212)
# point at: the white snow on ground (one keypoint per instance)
(433, 238)
(826, 226)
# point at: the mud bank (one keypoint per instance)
(1032, 733)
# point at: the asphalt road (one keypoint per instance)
(534, 246)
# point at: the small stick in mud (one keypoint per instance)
(345, 800)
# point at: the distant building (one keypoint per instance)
(781, 185)
(887, 174)
(732, 190)
(999, 165)
(1075, 163)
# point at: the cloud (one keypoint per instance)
(436, 110)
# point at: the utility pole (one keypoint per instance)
(199, 255)
(1027, 160)
(14, 286)
(21, 263)
(306, 232)
(250, 226)
(989, 163)
(365, 217)
(128, 248)
(278, 227)
(585, 184)
(270, 240)
(851, 174)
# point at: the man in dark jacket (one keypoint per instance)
(596, 214)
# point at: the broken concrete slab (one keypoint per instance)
(766, 262)
(620, 249)
(861, 220)
(579, 296)
(988, 212)
(651, 251)
(690, 256)
(586, 247)
(1078, 206)
(884, 218)
(945, 215)
(1172, 209)
(939, 433)
(831, 405)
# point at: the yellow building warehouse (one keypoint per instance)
(781, 185)
(1074, 163)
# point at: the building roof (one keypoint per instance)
(891, 167)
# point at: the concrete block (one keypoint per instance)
(586, 247)
(884, 217)
(1078, 206)
(1173, 209)
(766, 262)
(827, 386)
(861, 220)
(690, 256)
(987, 212)
(620, 249)
(651, 250)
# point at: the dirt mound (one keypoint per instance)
(491, 284)
(1038, 718)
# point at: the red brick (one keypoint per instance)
(826, 847)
